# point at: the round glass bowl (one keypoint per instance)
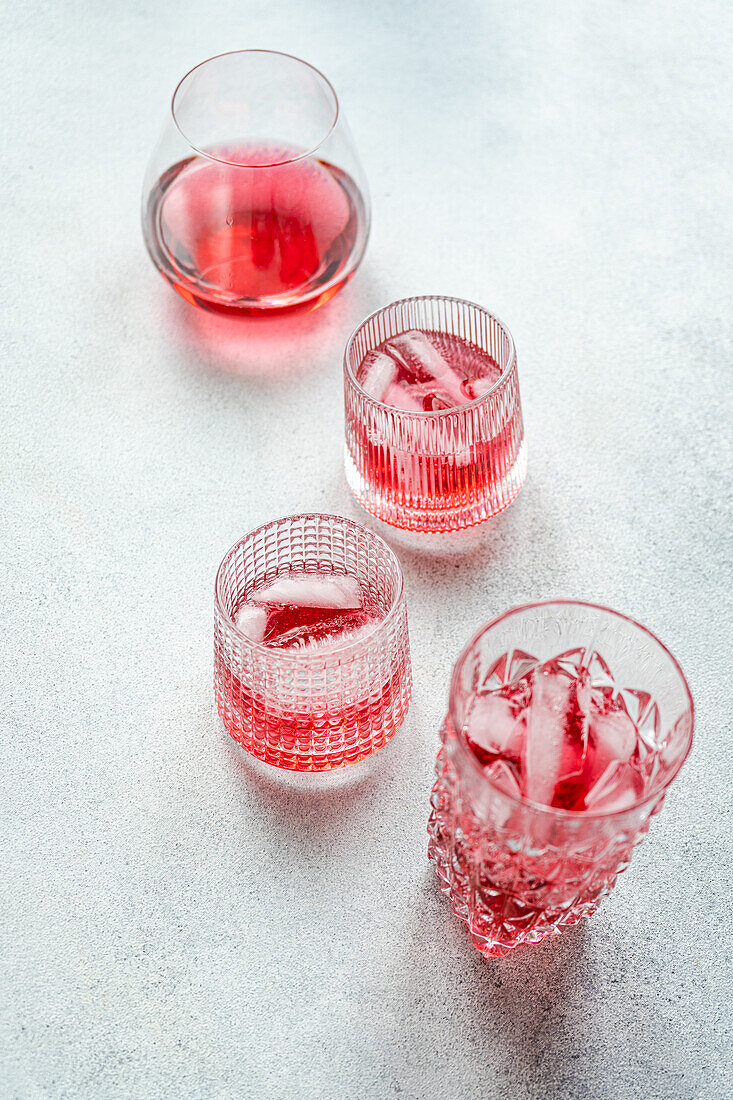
(254, 200)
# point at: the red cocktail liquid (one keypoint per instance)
(427, 371)
(239, 233)
(306, 612)
(559, 738)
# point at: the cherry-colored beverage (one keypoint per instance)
(431, 372)
(251, 228)
(563, 734)
(427, 371)
(307, 612)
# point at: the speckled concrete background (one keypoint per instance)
(176, 921)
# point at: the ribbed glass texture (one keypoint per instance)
(312, 711)
(514, 871)
(435, 471)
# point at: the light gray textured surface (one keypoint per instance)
(175, 921)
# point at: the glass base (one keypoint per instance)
(266, 307)
(446, 519)
(513, 889)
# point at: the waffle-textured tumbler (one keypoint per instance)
(312, 660)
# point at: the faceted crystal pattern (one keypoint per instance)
(526, 841)
(318, 706)
(514, 874)
(433, 471)
(563, 733)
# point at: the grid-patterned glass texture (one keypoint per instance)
(312, 711)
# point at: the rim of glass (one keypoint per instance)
(275, 163)
(511, 362)
(298, 657)
(554, 811)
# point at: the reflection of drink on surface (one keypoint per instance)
(438, 465)
(240, 234)
(306, 616)
(560, 734)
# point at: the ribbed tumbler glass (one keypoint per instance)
(435, 471)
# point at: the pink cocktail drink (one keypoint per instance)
(434, 431)
(551, 766)
(254, 201)
(312, 667)
(246, 228)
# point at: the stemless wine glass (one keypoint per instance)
(310, 707)
(515, 870)
(438, 470)
(254, 199)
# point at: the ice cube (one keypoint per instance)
(478, 387)
(345, 637)
(432, 396)
(613, 735)
(618, 786)
(325, 636)
(546, 721)
(312, 590)
(492, 727)
(435, 402)
(251, 621)
(421, 359)
(503, 775)
(557, 735)
(400, 396)
(376, 373)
